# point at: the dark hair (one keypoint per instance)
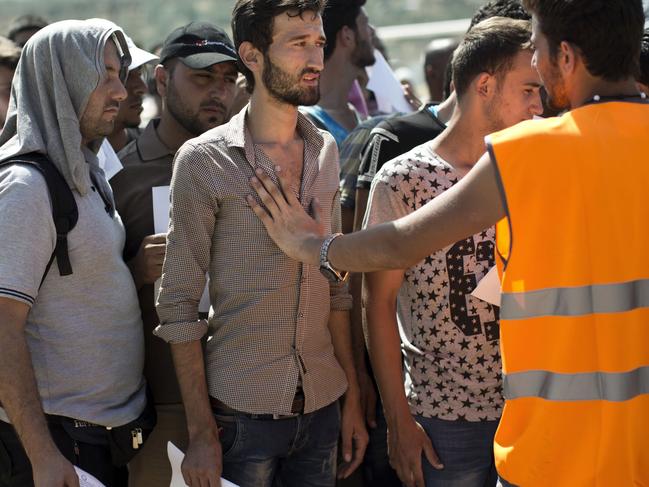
(512, 9)
(607, 32)
(489, 47)
(338, 14)
(252, 21)
(644, 59)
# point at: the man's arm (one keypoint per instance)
(468, 207)
(202, 464)
(193, 211)
(20, 400)
(353, 432)
(407, 441)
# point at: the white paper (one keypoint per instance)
(386, 87)
(160, 196)
(176, 459)
(488, 289)
(87, 480)
(108, 160)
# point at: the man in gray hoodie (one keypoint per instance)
(71, 346)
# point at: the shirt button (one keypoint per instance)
(301, 315)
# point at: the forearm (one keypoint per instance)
(19, 394)
(467, 208)
(339, 328)
(190, 371)
(385, 355)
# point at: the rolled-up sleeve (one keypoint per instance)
(192, 213)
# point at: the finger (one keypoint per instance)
(359, 452)
(72, 480)
(214, 480)
(417, 473)
(285, 186)
(431, 456)
(260, 211)
(269, 201)
(275, 192)
(157, 238)
(316, 210)
(347, 445)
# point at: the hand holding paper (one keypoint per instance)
(176, 459)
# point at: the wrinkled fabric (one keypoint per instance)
(60, 66)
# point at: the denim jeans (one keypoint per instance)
(289, 452)
(377, 471)
(466, 450)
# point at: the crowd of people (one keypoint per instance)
(281, 173)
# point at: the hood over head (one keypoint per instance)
(60, 66)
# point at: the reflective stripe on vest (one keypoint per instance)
(576, 301)
(589, 386)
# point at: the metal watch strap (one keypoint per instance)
(324, 250)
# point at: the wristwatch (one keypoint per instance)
(325, 266)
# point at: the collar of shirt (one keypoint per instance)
(149, 145)
(237, 134)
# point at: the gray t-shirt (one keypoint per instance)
(449, 337)
(84, 330)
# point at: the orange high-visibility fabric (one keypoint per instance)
(576, 191)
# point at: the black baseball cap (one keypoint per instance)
(198, 45)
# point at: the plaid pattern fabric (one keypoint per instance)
(268, 324)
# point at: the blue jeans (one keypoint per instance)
(290, 452)
(377, 471)
(466, 450)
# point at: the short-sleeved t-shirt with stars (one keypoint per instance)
(449, 338)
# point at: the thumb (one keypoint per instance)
(431, 455)
(316, 210)
(347, 446)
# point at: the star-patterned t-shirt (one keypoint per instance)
(449, 338)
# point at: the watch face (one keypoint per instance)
(330, 274)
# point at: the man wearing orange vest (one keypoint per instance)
(571, 201)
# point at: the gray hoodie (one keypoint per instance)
(60, 66)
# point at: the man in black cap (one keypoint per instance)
(196, 79)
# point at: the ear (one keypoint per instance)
(346, 37)
(251, 57)
(568, 56)
(161, 79)
(484, 85)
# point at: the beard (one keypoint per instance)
(191, 120)
(286, 88)
(363, 54)
(557, 96)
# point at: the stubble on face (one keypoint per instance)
(286, 88)
(98, 119)
(179, 104)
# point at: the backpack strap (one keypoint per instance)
(64, 208)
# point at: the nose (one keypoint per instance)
(119, 92)
(536, 108)
(316, 58)
(139, 86)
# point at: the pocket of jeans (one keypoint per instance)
(229, 432)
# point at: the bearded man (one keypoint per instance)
(348, 52)
(279, 354)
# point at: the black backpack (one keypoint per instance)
(64, 208)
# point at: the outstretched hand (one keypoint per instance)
(292, 229)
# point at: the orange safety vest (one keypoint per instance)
(574, 318)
